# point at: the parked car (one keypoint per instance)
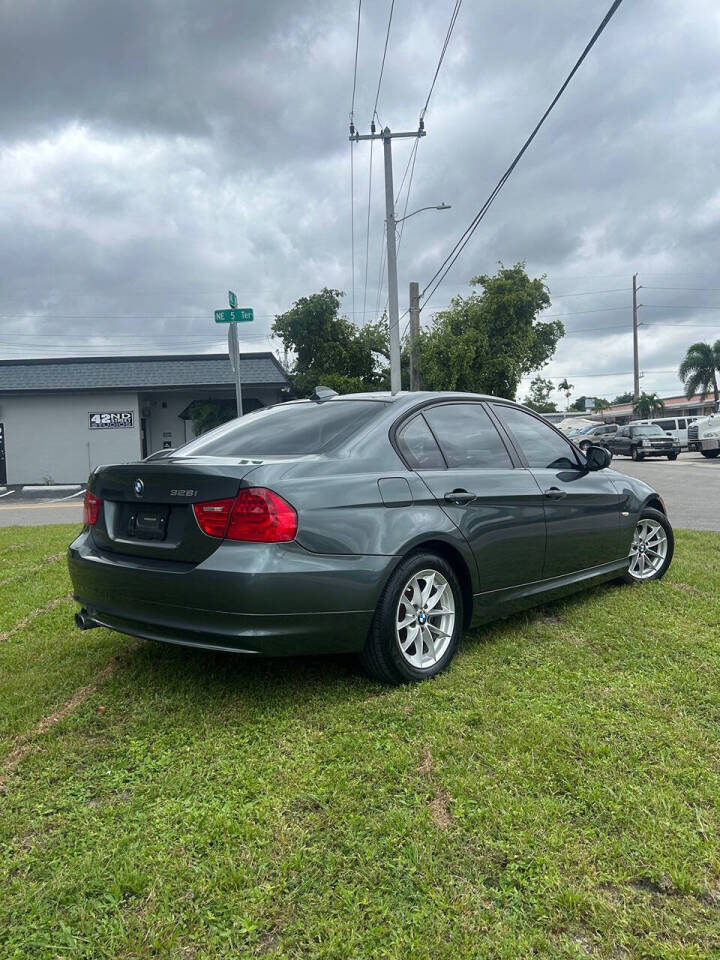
(676, 427)
(640, 441)
(594, 435)
(372, 523)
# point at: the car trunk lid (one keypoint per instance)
(147, 507)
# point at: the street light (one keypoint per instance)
(439, 206)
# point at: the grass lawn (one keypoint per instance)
(555, 794)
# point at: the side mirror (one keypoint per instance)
(598, 458)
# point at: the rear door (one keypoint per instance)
(582, 509)
(475, 477)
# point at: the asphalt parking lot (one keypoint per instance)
(690, 487)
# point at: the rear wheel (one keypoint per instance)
(417, 623)
(710, 454)
(652, 547)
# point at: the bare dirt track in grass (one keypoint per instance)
(33, 615)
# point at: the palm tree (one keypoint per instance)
(567, 390)
(697, 371)
(648, 405)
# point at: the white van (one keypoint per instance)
(677, 427)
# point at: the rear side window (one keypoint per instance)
(418, 445)
(290, 429)
(467, 436)
(665, 424)
(540, 444)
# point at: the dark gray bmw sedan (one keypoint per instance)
(371, 523)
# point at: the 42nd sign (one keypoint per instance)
(111, 420)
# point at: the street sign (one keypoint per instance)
(232, 300)
(243, 315)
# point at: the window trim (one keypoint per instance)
(577, 454)
(515, 460)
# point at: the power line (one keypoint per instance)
(447, 264)
(453, 18)
(357, 47)
(382, 65)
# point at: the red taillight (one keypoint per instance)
(256, 514)
(91, 509)
(213, 516)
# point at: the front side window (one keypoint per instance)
(419, 447)
(467, 436)
(289, 429)
(539, 443)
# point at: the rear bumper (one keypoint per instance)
(270, 599)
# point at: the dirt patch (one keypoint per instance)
(551, 620)
(39, 566)
(25, 744)
(441, 799)
(33, 615)
(685, 587)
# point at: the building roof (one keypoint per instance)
(671, 403)
(137, 373)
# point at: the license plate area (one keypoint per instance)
(146, 522)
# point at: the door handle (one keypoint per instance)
(554, 493)
(460, 496)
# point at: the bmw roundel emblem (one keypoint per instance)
(138, 487)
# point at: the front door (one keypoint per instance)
(582, 508)
(496, 505)
(3, 466)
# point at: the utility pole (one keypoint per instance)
(387, 137)
(234, 351)
(414, 334)
(636, 361)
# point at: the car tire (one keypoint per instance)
(584, 447)
(635, 454)
(652, 520)
(710, 454)
(672, 456)
(402, 619)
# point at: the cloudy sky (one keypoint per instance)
(154, 153)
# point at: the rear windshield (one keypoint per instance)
(290, 429)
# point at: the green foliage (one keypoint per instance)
(623, 398)
(488, 341)
(698, 370)
(208, 414)
(538, 399)
(648, 405)
(597, 403)
(329, 349)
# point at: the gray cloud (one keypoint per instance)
(154, 153)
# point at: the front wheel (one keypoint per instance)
(652, 547)
(635, 454)
(672, 456)
(417, 623)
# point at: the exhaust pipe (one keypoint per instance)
(83, 620)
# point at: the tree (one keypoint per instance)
(207, 414)
(623, 398)
(330, 349)
(697, 371)
(597, 403)
(538, 399)
(567, 389)
(648, 405)
(578, 404)
(486, 342)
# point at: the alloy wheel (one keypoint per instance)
(425, 619)
(648, 550)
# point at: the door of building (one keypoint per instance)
(3, 468)
(143, 438)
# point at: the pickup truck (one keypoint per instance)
(640, 442)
